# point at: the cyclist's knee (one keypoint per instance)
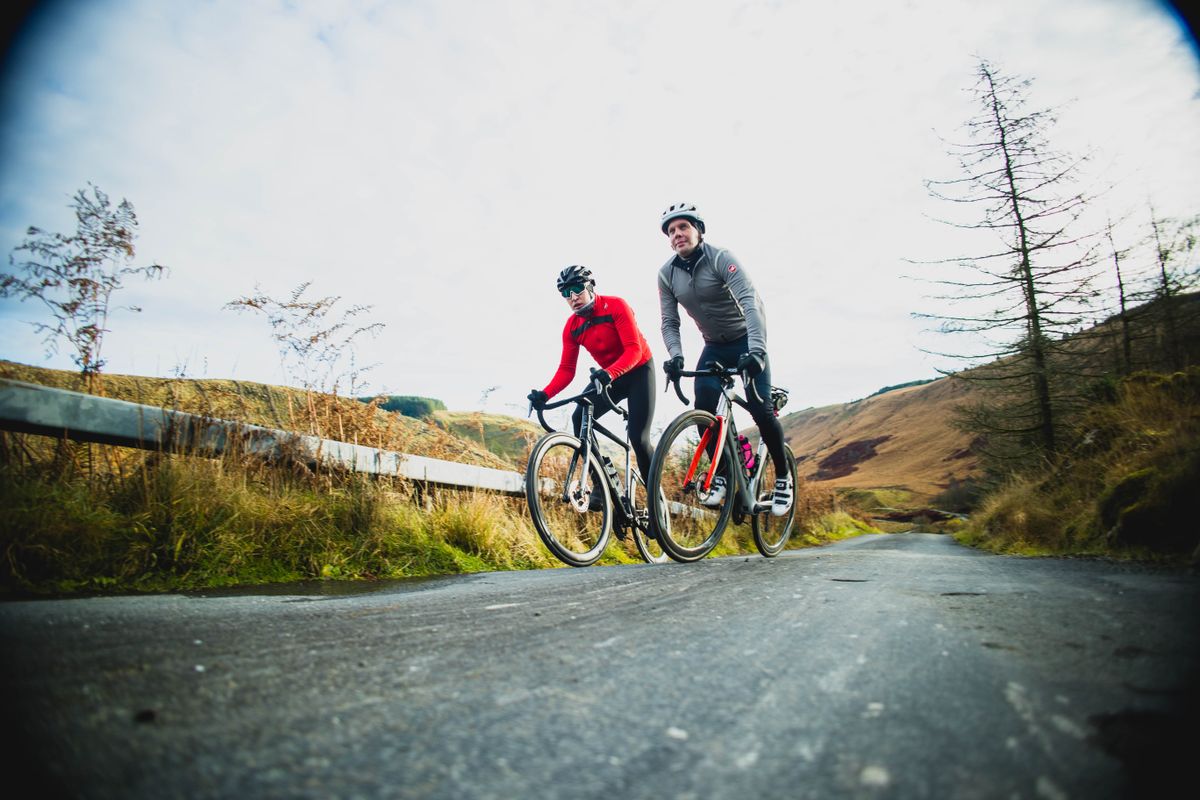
(707, 393)
(763, 415)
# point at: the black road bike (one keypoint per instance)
(697, 447)
(574, 522)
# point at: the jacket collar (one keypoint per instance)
(689, 265)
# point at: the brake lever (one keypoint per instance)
(679, 392)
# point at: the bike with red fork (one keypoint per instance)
(695, 450)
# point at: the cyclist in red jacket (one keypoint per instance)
(606, 328)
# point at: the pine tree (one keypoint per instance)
(1031, 291)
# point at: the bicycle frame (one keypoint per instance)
(746, 488)
(587, 437)
(574, 476)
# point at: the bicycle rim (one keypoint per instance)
(645, 536)
(688, 529)
(573, 533)
(771, 533)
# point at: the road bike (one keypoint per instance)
(574, 523)
(696, 447)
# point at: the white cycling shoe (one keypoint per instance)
(716, 493)
(781, 503)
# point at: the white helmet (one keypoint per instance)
(685, 210)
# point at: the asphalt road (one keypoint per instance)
(898, 666)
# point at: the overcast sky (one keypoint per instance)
(442, 160)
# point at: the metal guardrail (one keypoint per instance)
(30, 408)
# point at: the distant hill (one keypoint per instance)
(408, 405)
(280, 407)
(509, 438)
(900, 438)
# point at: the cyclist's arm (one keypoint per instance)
(669, 306)
(742, 290)
(629, 336)
(566, 365)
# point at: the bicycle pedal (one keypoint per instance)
(762, 508)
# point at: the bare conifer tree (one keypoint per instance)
(1123, 328)
(1175, 272)
(1026, 295)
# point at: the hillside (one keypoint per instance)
(284, 408)
(902, 437)
(509, 438)
(898, 439)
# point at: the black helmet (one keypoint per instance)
(685, 210)
(576, 273)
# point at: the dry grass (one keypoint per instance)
(1124, 487)
(95, 518)
(327, 416)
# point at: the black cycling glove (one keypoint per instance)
(673, 366)
(537, 398)
(752, 364)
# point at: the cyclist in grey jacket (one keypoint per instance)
(720, 298)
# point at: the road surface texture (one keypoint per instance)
(901, 666)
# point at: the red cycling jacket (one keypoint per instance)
(610, 334)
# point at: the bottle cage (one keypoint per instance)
(779, 398)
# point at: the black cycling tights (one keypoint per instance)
(638, 386)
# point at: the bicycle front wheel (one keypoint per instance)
(689, 518)
(771, 533)
(560, 506)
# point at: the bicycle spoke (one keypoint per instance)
(690, 525)
(559, 507)
(771, 533)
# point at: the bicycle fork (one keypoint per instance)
(701, 448)
(582, 454)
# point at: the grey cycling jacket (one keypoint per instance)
(717, 294)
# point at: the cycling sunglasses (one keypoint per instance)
(574, 288)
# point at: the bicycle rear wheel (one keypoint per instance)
(560, 510)
(645, 535)
(771, 533)
(687, 528)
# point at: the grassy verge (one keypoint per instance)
(1122, 489)
(91, 518)
(177, 523)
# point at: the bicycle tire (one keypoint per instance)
(688, 530)
(771, 533)
(645, 536)
(574, 534)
